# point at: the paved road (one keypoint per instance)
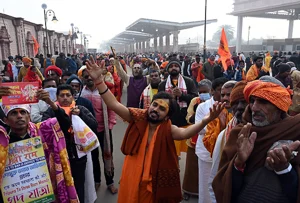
(104, 196)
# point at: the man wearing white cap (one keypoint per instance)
(17, 127)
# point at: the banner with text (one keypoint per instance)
(26, 177)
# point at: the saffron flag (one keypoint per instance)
(224, 51)
(36, 46)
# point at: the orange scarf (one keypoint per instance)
(213, 129)
(67, 109)
(164, 165)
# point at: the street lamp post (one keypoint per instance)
(72, 40)
(204, 44)
(249, 34)
(54, 19)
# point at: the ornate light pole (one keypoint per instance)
(54, 19)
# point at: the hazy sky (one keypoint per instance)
(105, 19)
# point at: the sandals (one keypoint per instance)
(113, 190)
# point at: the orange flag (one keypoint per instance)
(36, 46)
(224, 51)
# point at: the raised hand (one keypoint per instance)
(75, 111)
(94, 70)
(245, 145)
(43, 95)
(215, 111)
(278, 159)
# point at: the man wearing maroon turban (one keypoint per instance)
(53, 72)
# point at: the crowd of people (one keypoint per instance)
(237, 124)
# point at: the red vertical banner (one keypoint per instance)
(36, 46)
(224, 51)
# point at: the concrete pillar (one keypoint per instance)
(291, 28)
(239, 34)
(143, 46)
(148, 45)
(155, 43)
(168, 42)
(161, 43)
(175, 41)
(131, 47)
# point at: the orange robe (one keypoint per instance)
(213, 129)
(136, 179)
(253, 73)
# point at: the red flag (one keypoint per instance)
(224, 51)
(36, 46)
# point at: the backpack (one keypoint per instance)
(48, 62)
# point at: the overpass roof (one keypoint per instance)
(159, 27)
(289, 9)
(144, 29)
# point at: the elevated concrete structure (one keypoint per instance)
(275, 9)
(139, 33)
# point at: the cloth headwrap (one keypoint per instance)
(164, 64)
(26, 60)
(173, 62)
(80, 71)
(237, 92)
(75, 81)
(277, 95)
(8, 108)
(55, 69)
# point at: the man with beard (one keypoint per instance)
(258, 164)
(106, 119)
(257, 70)
(204, 158)
(150, 90)
(183, 90)
(23, 71)
(77, 86)
(135, 84)
(238, 105)
(148, 145)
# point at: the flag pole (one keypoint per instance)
(204, 44)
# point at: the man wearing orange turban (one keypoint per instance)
(258, 156)
(23, 71)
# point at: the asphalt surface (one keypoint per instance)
(104, 196)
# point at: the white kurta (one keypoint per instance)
(90, 194)
(204, 159)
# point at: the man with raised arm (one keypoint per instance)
(150, 171)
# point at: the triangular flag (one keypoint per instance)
(224, 51)
(36, 46)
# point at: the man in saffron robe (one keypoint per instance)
(17, 127)
(257, 70)
(261, 156)
(150, 171)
